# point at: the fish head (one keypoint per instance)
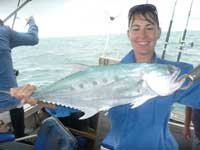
(164, 80)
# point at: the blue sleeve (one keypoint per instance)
(191, 96)
(7, 102)
(28, 38)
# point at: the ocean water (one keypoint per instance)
(47, 62)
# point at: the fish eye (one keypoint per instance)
(171, 70)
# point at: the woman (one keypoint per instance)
(146, 127)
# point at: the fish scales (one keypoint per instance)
(103, 87)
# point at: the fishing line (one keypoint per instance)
(15, 16)
(112, 13)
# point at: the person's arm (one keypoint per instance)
(186, 129)
(189, 97)
(25, 38)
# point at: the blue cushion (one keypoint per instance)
(5, 137)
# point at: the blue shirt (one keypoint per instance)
(146, 127)
(8, 40)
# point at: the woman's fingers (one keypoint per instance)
(23, 92)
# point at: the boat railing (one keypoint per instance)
(177, 116)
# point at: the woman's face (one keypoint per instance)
(143, 35)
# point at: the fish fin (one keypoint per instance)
(104, 109)
(89, 112)
(139, 101)
(106, 113)
(76, 67)
(87, 115)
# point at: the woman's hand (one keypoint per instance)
(24, 93)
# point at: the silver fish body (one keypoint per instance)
(102, 87)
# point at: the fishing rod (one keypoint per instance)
(169, 31)
(15, 16)
(16, 10)
(184, 34)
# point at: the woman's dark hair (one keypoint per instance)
(146, 10)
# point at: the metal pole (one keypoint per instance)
(26, 137)
(15, 15)
(184, 34)
(168, 32)
(16, 10)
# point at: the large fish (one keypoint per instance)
(102, 87)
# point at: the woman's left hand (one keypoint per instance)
(24, 93)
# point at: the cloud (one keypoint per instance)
(82, 17)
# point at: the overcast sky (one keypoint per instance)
(86, 17)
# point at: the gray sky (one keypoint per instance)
(83, 17)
